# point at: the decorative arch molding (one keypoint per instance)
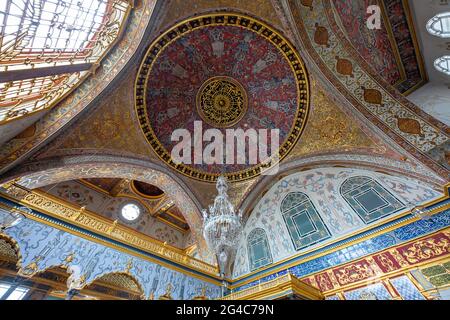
(122, 273)
(118, 60)
(358, 161)
(339, 65)
(55, 170)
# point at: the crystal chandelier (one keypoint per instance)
(222, 226)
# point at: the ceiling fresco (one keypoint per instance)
(228, 71)
(352, 120)
(393, 50)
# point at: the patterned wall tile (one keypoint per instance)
(42, 247)
(406, 288)
(375, 291)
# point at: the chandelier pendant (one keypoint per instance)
(222, 226)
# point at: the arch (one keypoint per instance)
(41, 173)
(302, 220)
(353, 161)
(119, 279)
(369, 199)
(302, 27)
(14, 246)
(259, 254)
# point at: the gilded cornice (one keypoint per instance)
(281, 287)
(88, 220)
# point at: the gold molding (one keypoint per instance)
(90, 221)
(277, 288)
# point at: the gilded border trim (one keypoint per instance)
(221, 19)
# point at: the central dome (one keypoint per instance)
(228, 71)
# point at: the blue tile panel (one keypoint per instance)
(355, 251)
(376, 291)
(406, 289)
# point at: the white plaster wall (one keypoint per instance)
(434, 99)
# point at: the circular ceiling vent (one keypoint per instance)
(130, 211)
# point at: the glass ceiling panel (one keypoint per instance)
(47, 33)
(439, 25)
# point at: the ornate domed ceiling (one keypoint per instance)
(228, 71)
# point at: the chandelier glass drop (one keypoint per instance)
(222, 226)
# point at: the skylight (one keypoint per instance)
(42, 34)
(442, 64)
(130, 212)
(439, 25)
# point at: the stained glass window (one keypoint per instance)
(47, 47)
(369, 199)
(303, 222)
(258, 249)
(439, 25)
